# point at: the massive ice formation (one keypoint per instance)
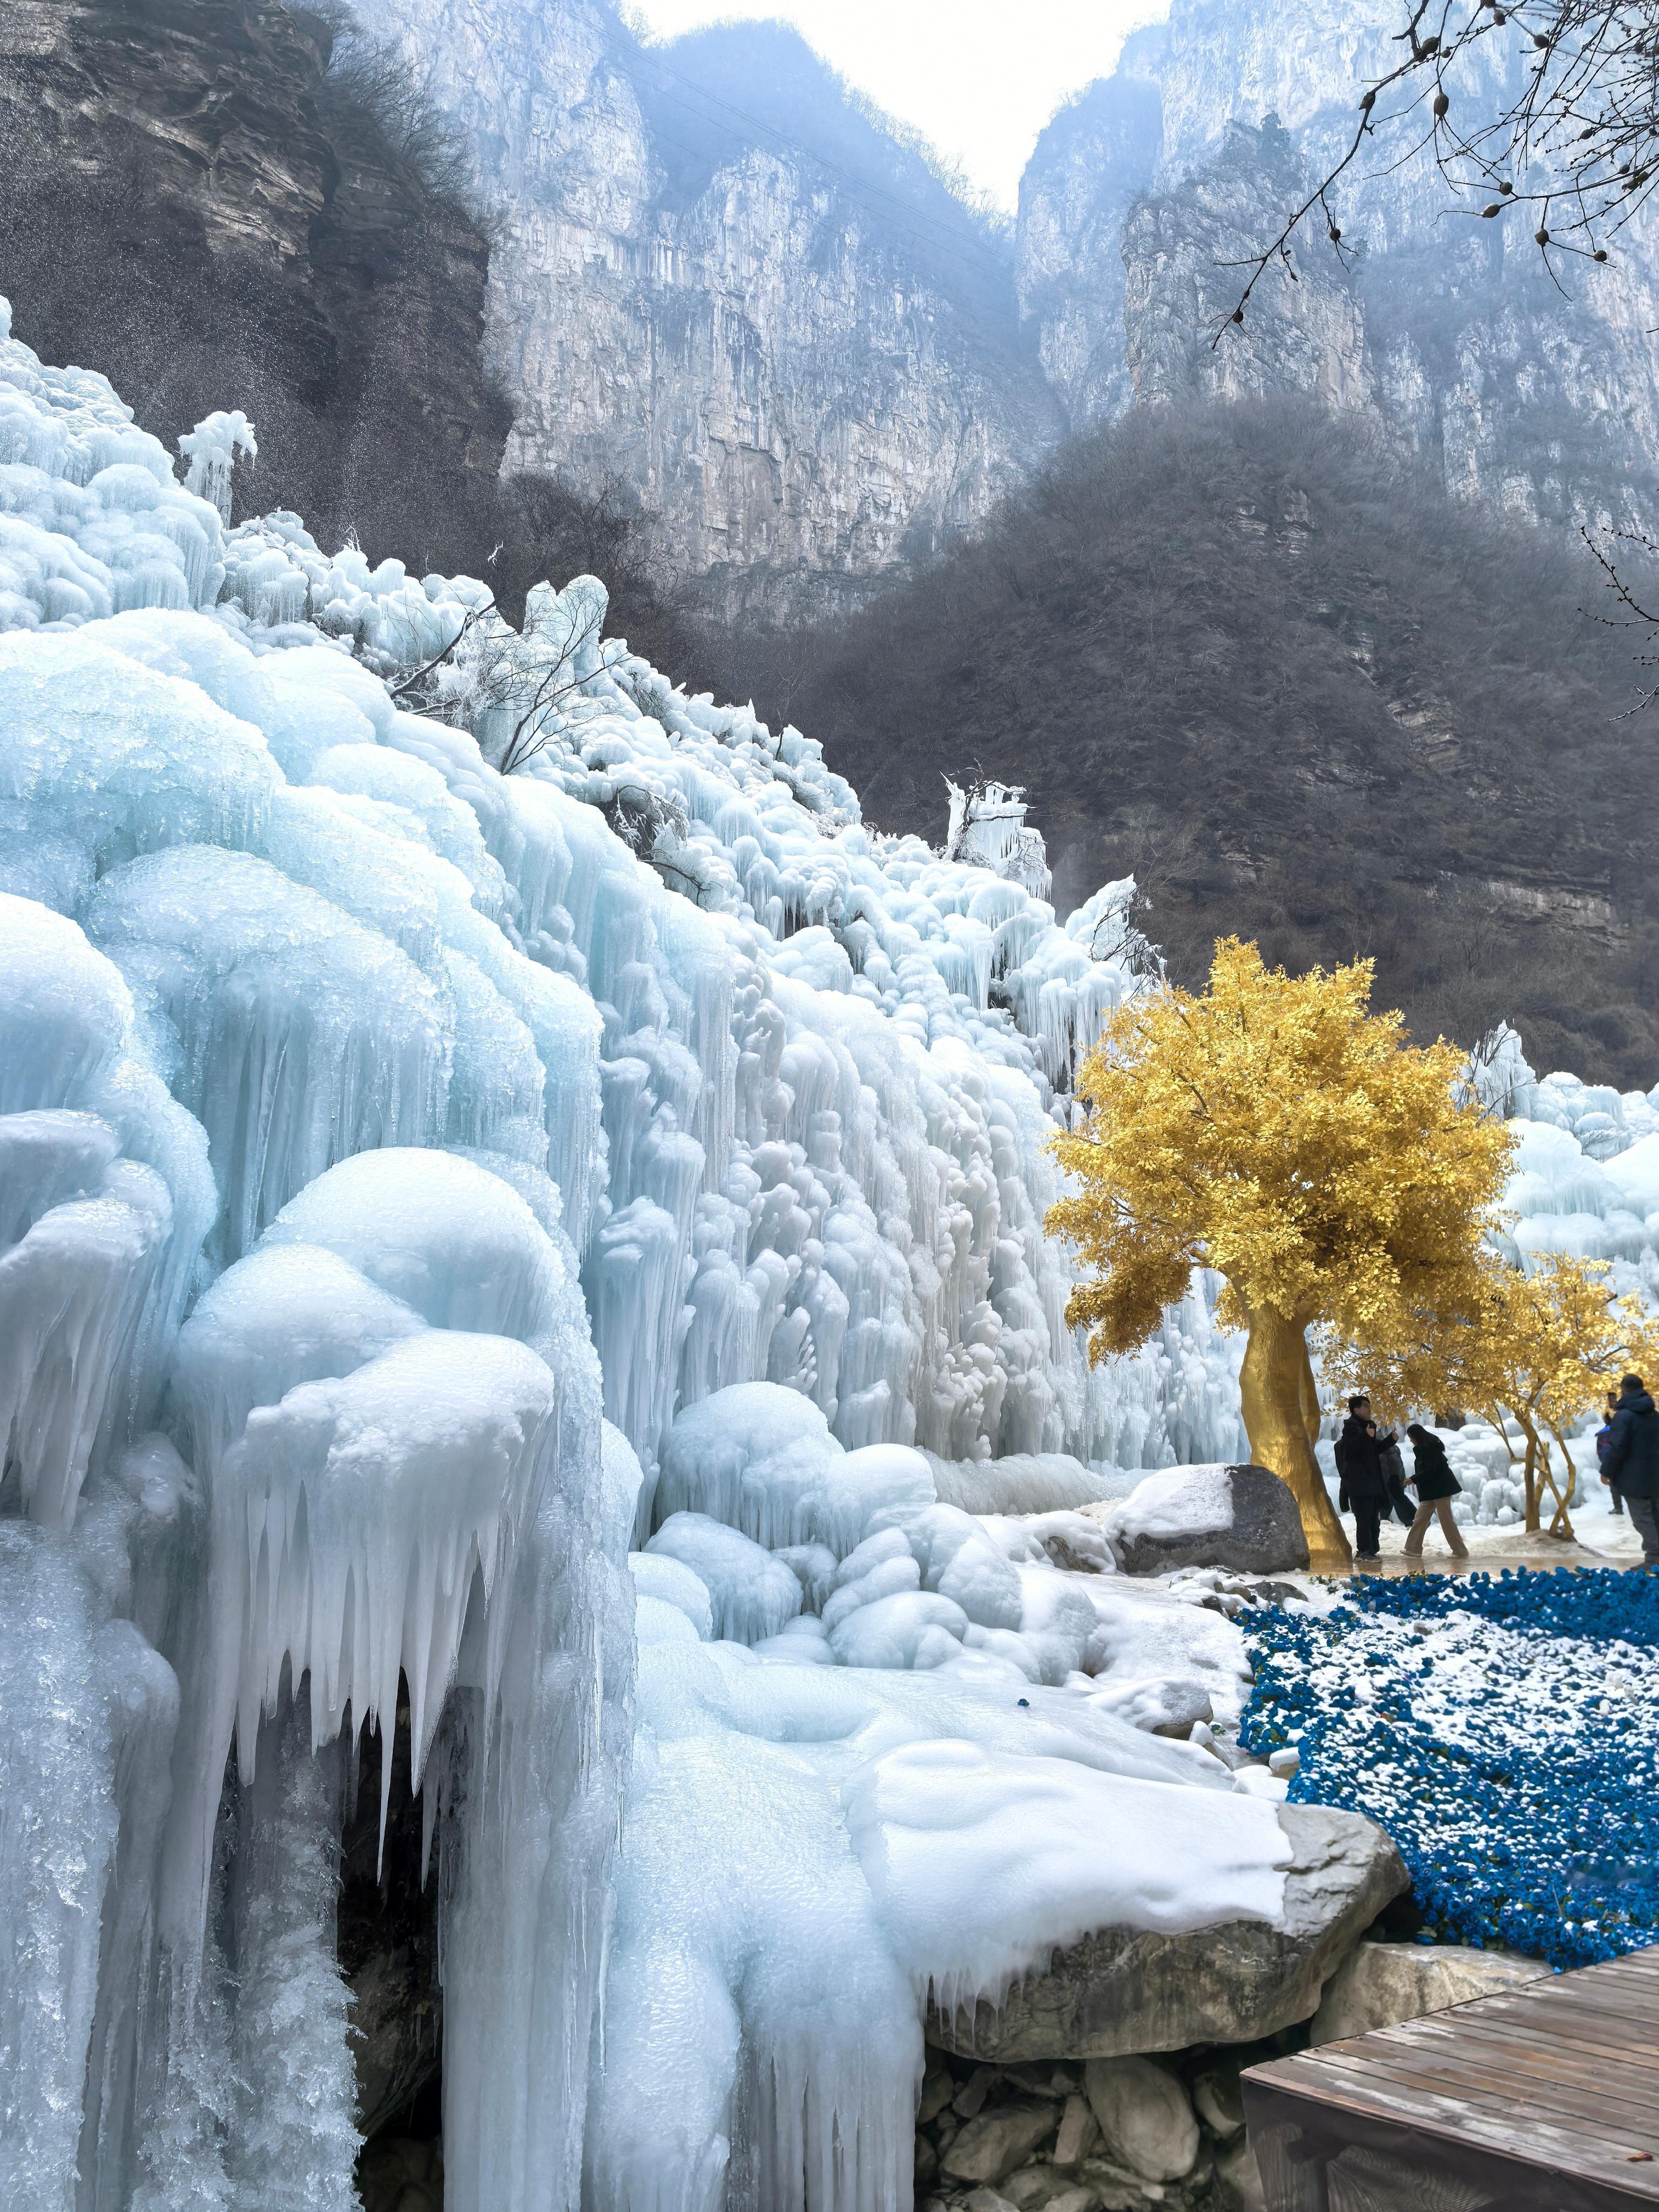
(450, 1159)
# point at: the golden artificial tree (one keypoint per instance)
(1542, 1350)
(1277, 1131)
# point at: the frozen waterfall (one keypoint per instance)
(436, 1204)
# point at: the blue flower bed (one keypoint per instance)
(1502, 1732)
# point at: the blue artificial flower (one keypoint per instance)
(1514, 1762)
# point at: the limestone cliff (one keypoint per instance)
(193, 196)
(1542, 399)
(723, 290)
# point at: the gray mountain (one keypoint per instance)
(722, 288)
(1540, 397)
(726, 290)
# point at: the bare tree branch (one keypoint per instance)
(1578, 143)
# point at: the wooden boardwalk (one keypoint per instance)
(1542, 2099)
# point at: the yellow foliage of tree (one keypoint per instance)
(1542, 1350)
(1277, 1131)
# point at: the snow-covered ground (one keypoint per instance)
(437, 1203)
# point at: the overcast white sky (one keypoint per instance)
(978, 77)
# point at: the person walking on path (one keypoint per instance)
(1602, 1436)
(1632, 1461)
(1435, 1486)
(1359, 1464)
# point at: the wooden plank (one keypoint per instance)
(1424, 2118)
(1582, 2144)
(1510, 2174)
(1566, 2012)
(1572, 2028)
(1581, 2058)
(1553, 2085)
(1566, 2103)
(1517, 2185)
(1499, 2105)
(1420, 2103)
(1549, 2062)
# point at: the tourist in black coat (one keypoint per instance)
(1359, 1464)
(1395, 1480)
(1603, 1438)
(1436, 1485)
(1632, 1461)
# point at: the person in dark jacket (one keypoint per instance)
(1435, 1486)
(1632, 1461)
(1603, 1436)
(1359, 1463)
(1395, 1478)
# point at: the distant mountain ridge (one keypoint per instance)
(1447, 332)
(719, 295)
(724, 290)
(721, 290)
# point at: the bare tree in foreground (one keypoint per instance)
(1577, 145)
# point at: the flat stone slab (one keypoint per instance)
(1123, 1991)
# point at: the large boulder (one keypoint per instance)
(1123, 1991)
(1242, 1517)
(1380, 1985)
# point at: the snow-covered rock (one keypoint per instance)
(1240, 1517)
(1119, 1992)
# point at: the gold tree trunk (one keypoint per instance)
(1309, 1395)
(1271, 1386)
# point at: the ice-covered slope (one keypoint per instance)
(436, 1204)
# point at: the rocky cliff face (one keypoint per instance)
(191, 195)
(722, 290)
(1449, 334)
(724, 297)
(724, 293)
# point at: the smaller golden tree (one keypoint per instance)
(1542, 1350)
(1277, 1131)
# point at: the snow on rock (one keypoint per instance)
(1181, 1502)
(939, 1826)
(1242, 1517)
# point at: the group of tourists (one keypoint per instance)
(1375, 1484)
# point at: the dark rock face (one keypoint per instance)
(388, 1941)
(1120, 1990)
(195, 205)
(1183, 1527)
